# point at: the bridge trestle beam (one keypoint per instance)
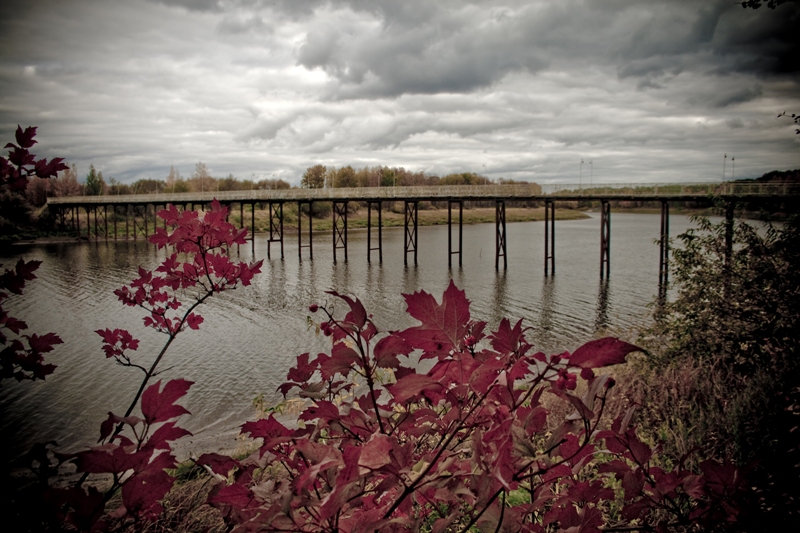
(450, 251)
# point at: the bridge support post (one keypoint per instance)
(369, 231)
(339, 231)
(663, 261)
(450, 231)
(253, 229)
(605, 239)
(500, 234)
(549, 237)
(410, 226)
(275, 225)
(241, 215)
(300, 244)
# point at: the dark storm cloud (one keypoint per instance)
(521, 89)
(457, 48)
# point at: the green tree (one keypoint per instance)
(94, 185)
(342, 178)
(388, 177)
(314, 177)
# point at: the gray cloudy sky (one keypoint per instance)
(648, 91)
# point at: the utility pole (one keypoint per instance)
(724, 160)
(591, 172)
(580, 175)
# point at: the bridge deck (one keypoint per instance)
(651, 192)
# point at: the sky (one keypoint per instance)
(640, 91)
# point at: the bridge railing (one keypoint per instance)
(453, 191)
(673, 189)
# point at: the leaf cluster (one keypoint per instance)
(444, 450)
(135, 451)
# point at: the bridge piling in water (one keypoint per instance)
(450, 251)
(605, 239)
(340, 232)
(549, 237)
(135, 208)
(500, 234)
(411, 210)
(300, 244)
(369, 231)
(275, 225)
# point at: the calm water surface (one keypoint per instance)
(251, 336)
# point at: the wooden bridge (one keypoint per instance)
(138, 209)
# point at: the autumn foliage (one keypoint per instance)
(474, 441)
(444, 426)
(22, 353)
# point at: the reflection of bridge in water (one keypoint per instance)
(139, 211)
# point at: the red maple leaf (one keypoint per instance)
(602, 352)
(443, 326)
(159, 406)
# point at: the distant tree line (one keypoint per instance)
(95, 184)
(315, 177)
(320, 176)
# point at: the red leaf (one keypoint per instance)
(443, 326)
(266, 428)
(411, 385)
(194, 320)
(142, 492)
(387, 350)
(376, 452)
(167, 432)
(109, 458)
(357, 314)
(556, 473)
(14, 324)
(602, 352)
(236, 496)
(505, 339)
(44, 343)
(159, 406)
(219, 464)
(322, 409)
(45, 169)
(303, 371)
(342, 360)
(25, 138)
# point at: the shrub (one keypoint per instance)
(469, 443)
(723, 372)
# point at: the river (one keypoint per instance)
(251, 336)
